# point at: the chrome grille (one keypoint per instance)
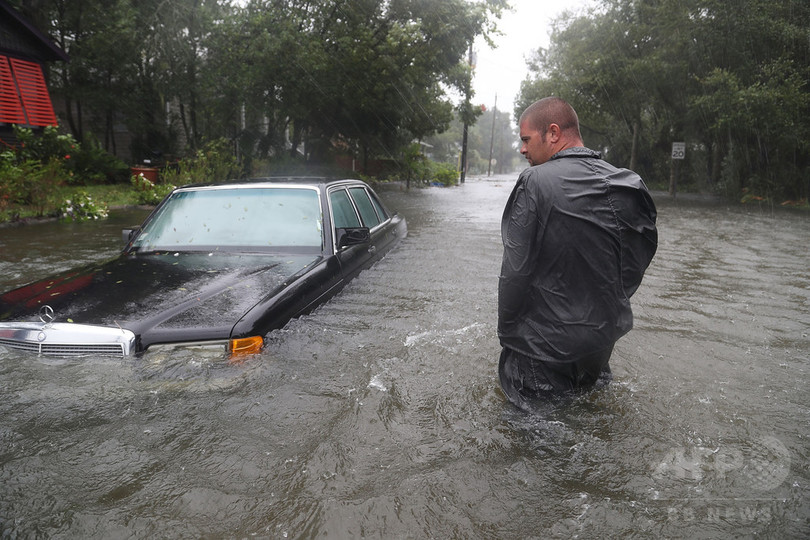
(65, 349)
(20, 345)
(64, 339)
(82, 350)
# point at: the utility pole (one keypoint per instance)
(492, 135)
(465, 113)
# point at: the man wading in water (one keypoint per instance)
(578, 235)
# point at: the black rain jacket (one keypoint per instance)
(578, 235)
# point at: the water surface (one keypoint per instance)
(380, 415)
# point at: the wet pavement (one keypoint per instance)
(379, 415)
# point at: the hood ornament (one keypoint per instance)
(46, 314)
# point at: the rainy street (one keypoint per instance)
(379, 415)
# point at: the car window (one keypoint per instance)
(343, 210)
(365, 207)
(247, 217)
(379, 207)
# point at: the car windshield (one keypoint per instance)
(252, 218)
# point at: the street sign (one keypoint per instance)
(678, 150)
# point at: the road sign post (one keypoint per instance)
(678, 154)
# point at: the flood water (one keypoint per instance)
(380, 414)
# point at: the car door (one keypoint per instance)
(376, 218)
(345, 215)
(371, 218)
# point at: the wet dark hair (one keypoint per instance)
(551, 110)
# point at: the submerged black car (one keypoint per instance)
(213, 265)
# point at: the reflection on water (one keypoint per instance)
(380, 415)
(31, 252)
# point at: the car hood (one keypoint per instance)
(162, 291)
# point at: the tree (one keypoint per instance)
(273, 76)
(754, 98)
(445, 147)
(731, 83)
(100, 38)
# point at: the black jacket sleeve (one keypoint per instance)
(519, 230)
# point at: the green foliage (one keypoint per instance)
(44, 146)
(147, 192)
(445, 174)
(82, 208)
(91, 164)
(13, 177)
(42, 182)
(274, 77)
(29, 182)
(494, 132)
(82, 163)
(108, 195)
(731, 83)
(414, 164)
(42, 162)
(213, 163)
(418, 169)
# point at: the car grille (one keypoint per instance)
(82, 350)
(65, 349)
(66, 340)
(20, 345)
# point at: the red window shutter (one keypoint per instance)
(11, 111)
(35, 99)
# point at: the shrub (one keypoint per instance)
(445, 174)
(214, 163)
(30, 182)
(84, 164)
(148, 192)
(44, 146)
(40, 184)
(82, 208)
(91, 164)
(414, 164)
(12, 176)
(42, 162)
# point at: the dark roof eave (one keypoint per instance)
(56, 53)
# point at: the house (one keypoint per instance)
(24, 97)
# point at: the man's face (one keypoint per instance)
(534, 145)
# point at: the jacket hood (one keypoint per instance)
(577, 151)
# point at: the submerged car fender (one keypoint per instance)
(299, 295)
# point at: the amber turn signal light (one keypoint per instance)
(242, 347)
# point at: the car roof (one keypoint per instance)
(314, 181)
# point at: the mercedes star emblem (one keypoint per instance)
(46, 314)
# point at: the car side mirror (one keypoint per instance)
(127, 234)
(352, 236)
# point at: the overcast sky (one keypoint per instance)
(527, 27)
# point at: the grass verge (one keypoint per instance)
(109, 195)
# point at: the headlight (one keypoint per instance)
(235, 350)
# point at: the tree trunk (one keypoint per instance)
(716, 163)
(79, 122)
(673, 176)
(184, 122)
(296, 139)
(70, 120)
(365, 157)
(634, 147)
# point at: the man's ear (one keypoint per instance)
(554, 132)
